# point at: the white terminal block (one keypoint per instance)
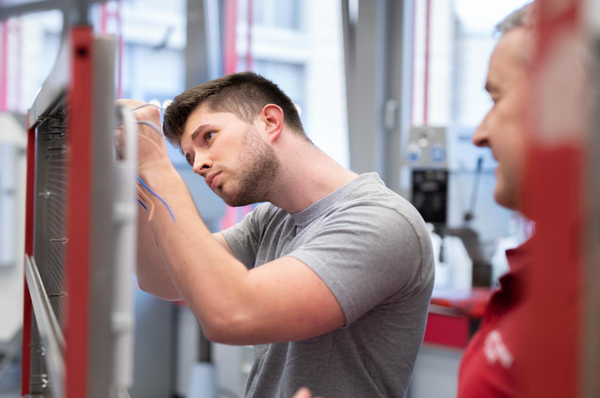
(125, 223)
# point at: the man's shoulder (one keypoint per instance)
(384, 203)
(267, 213)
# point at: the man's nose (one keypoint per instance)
(202, 165)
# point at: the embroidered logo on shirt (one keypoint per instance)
(495, 350)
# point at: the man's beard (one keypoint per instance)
(259, 169)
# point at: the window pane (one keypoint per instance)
(152, 64)
(33, 43)
(307, 64)
(285, 14)
(461, 39)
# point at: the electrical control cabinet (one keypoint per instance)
(80, 231)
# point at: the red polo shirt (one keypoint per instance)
(493, 362)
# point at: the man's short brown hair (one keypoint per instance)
(244, 94)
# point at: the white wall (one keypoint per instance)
(11, 273)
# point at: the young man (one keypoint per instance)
(492, 364)
(330, 278)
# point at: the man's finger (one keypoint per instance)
(303, 393)
(120, 142)
(130, 103)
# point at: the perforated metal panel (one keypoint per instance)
(52, 186)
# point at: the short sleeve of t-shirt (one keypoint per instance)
(243, 238)
(365, 255)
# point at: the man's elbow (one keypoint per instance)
(161, 293)
(227, 327)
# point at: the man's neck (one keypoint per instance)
(306, 176)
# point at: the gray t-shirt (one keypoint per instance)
(373, 250)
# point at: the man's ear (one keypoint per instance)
(272, 116)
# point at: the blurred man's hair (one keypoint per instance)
(244, 94)
(524, 17)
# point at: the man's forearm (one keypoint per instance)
(210, 279)
(152, 274)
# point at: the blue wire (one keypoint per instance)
(143, 205)
(159, 198)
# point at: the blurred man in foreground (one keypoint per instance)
(492, 363)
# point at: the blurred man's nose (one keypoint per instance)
(481, 136)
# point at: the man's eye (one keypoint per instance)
(209, 135)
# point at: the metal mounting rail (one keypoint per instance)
(50, 332)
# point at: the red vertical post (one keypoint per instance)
(230, 66)
(412, 63)
(19, 58)
(119, 16)
(78, 223)
(248, 208)
(553, 198)
(27, 307)
(230, 37)
(249, 37)
(4, 67)
(103, 17)
(427, 57)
